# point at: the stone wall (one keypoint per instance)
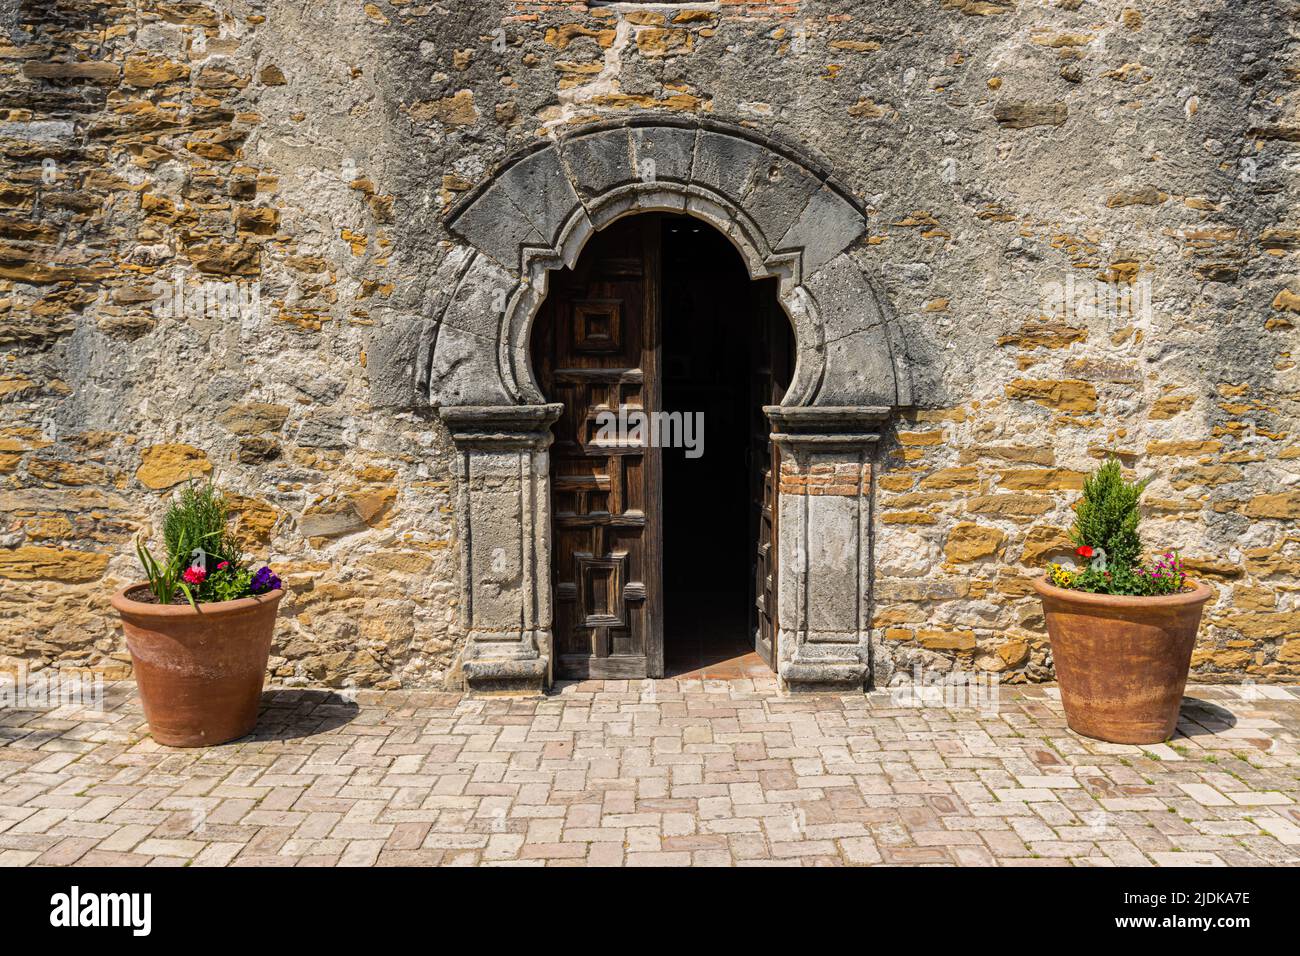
(289, 164)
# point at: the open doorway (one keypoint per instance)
(713, 367)
(662, 560)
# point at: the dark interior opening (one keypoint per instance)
(726, 348)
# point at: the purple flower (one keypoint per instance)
(265, 580)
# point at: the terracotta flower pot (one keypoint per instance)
(199, 672)
(1122, 661)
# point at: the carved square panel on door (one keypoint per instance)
(597, 325)
(601, 589)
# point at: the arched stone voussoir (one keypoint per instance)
(729, 164)
(859, 365)
(399, 348)
(495, 225)
(598, 160)
(395, 362)
(663, 153)
(464, 365)
(826, 226)
(539, 186)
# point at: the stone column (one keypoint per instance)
(504, 526)
(824, 525)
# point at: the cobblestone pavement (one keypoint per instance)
(646, 773)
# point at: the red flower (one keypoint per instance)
(195, 575)
(1083, 551)
(223, 565)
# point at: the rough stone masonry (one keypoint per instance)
(1081, 217)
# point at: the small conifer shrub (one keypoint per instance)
(1106, 538)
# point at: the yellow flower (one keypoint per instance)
(1059, 576)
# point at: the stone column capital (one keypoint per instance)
(826, 428)
(499, 427)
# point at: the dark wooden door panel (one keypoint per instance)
(771, 361)
(596, 350)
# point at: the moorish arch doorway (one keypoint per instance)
(468, 355)
(663, 354)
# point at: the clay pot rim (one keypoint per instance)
(125, 605)
(1199, 594)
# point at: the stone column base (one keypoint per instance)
(506, 676)
(821, 677)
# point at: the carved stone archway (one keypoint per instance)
(790, 220)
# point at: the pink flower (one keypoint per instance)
(223, 565)
(195, 575)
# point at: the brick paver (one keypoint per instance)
(654, 773)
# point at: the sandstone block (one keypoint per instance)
(254, 418)
(1065, 395)
(36, 562)
(1285, 504)
(969, 542)
(1027, 115)
(163, 466)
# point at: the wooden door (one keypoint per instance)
(596, 349)
(770, 357)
